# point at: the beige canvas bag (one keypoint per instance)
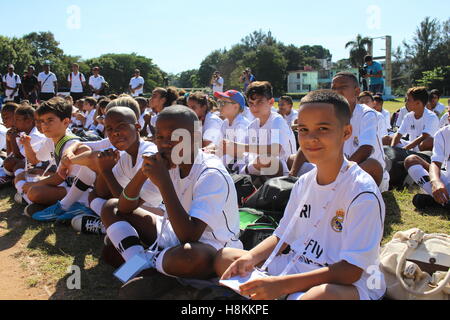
(417, 266)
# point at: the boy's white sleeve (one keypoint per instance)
(210, 194)
(369, 130)
(213, 131)
(91, 81)
(439, 148)
(150, 194)
(99, 145)
(431, 125)
(45, 152)
(363, 231)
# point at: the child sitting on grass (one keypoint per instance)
(201, 213)
(325, 224)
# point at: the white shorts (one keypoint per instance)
(169, 239)
(278, 265)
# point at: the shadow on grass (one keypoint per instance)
(435, 211)
(393, 213)
(15, 222)
(83, 251)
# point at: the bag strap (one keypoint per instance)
(412, 245)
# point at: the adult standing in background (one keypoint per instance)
(247, 78)
(30, 86)
(77, 82)
(97, 83)
(11, 83)
(137, 84)
(375, 73)
(217, 82)
(48, 83)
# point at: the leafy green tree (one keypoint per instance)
(358, 50)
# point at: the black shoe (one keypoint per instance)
(422, 201)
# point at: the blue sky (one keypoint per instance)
(178, 34)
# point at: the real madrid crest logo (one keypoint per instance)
(338, 221)
(356, 141)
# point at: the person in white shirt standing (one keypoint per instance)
(11, 83)
(77, 82)
(137, 84)
(217, 82)
(96, 83)
(48, 83)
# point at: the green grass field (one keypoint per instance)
(46, 251)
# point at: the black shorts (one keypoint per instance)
(43, 96)
(76, 96)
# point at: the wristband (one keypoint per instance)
(128, 198)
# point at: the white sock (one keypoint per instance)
(19, 186)
(18, 171)
(421, 177)
(85, 179)
(97, 205)
(25, 197)
(125, 239)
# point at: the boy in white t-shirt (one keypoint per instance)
(137, 84)
(420, 124)
(445, 119)
(271, 140)
(286, 110)
(24, 129)
(332, 255)
(77, 82)
(364, 146)
(434, 178)
(201, 213)
(96, 83)
(235, 125)
(88, 114)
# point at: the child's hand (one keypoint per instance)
(147, 118)
(12, 134)
(440, 193)
(156, 168)
(263, 289)
(63, 171)
(240, 267)
(106, 160)
(25, 139)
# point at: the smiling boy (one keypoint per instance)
(325, 222)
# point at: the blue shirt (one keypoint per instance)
(374, 69)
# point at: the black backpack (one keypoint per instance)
(255, 226)
(273, 196)
(244, 187)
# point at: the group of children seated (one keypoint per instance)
(155, 177)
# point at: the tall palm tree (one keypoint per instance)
(358, 50)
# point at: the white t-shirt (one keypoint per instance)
(444, 120)
(387, 118)
(45, 152)
(208, 194)
(382, 127)
(274, 131)
(89, 124)
(96, 83)
(346, 210)
(76, 82)
(248, 114)
(401, 115)
(365, 122)
(212, 128)
(142, 121)
(441, 150)
(290, 118)
(124, 170)
(439, 109)
(99, 145)
(428, 123)
(236, 132)
(134, 83)
(12, 82)
(218, 87)
(37, 139)
(47, 82)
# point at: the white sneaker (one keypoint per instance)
(86, 223)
